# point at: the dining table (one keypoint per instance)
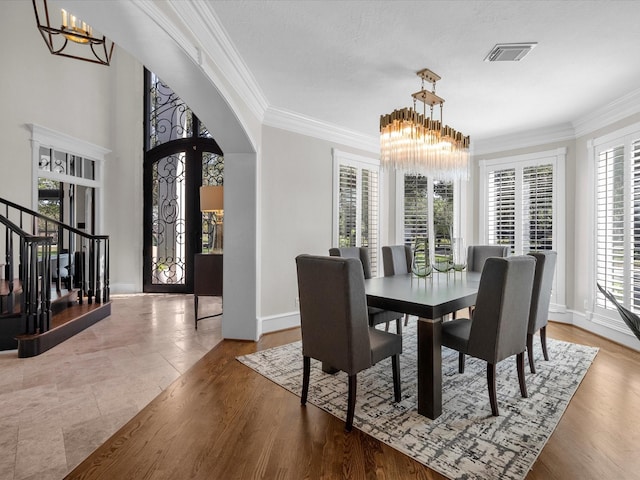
(430, 299)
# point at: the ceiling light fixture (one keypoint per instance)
(72, 38)
(416, 143)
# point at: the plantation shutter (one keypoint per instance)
(358, 204)
(522, 207)
(537, 208)
(501, 202)
(347, 204)
(635, 227)
(610, 241)
(369, 215)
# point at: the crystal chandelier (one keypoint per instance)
(413, 142)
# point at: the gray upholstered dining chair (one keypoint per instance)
(335, 330)
(396, 260)
(500, 319)
(540, 299)
(376, 315)
(478, 254)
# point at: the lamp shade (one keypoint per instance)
(211, 198)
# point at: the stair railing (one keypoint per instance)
(31, 262)
(87, 255)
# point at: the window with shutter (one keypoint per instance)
(357, 204)
(610, 222)
(501, 211)
(347, 217)
(521, 206)
(635, 228)
(370, 208)
(537, 208)
(428, 212)
(617, 220)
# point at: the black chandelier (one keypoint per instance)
(74, 38)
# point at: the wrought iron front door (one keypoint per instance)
(172, 217)
(180, 155)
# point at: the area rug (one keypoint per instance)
(466, 441)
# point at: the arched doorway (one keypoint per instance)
(205, 82)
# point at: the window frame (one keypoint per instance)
(624, 137)
(42, 137)
(342, 158)
(557, 158)
(459, 209)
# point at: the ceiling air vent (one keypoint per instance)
(509, 52)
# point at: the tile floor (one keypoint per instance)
(56, 408)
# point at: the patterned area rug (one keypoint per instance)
(466, 441)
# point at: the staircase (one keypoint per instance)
(54, 280)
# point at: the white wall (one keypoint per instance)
(295, 206)
(89, 102)
(122, 198)
(240, 254)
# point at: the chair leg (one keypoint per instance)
(460, 362)
(351, 401)
(543, 341)
(532, 367)
(195, 308)
(491, 383)
(395, 365)
(386, 328)
(306, 372)
(399, 326)
(406, 319)
(523, 385)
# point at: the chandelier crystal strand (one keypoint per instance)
(414, 143)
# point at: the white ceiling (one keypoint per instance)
(347, 62)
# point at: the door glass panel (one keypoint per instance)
(49, 205)
(212, 223)
(170, 118)
(59, 162)
(168, 214)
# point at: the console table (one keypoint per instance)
(207, 279)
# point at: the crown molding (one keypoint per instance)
(151, 9)
(298, 123)
(531, 138)
(604, 116)
(610, 113)
(204, 25)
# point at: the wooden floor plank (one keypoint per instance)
(221, 420)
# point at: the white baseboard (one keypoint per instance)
(284, 321)
(273, 323)
(561, 317)
(121, 288)
(628, 340)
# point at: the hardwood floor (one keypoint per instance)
(221, 420)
